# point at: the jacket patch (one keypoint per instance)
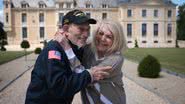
(54, 55)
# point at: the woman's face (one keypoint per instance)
(104, 39)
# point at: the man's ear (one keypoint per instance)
(65, 27)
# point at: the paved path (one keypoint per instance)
(15, 93)
(13, 69)
(169, 87)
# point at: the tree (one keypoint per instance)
(181, 23)
(136, 44)
(25, 44)
(3, 38)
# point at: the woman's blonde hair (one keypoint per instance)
(119, 42)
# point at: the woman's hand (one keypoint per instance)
(61, 38)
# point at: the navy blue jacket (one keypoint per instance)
(52, 80)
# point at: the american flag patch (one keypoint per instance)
(54, 55)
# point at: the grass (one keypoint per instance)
(170, 58)
(10, 55)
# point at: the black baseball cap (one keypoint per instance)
(77, 17)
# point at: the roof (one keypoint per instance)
(95, 3)
(33, 3)
(147, 2)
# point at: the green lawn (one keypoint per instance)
(170, 58)
(10, 55)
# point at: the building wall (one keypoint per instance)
(51, 19)
(137, 20)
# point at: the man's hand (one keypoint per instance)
(61, 38)
(99, 73)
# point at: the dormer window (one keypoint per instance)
(24, 4)
(88, 5)
(42, 4)
(104, 6)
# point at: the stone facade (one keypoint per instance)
(151, 22)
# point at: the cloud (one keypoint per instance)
(1, 15)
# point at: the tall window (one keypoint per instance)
(155, 13)
(6, 4)
(61, 15)
(42, 32)
(24, 32)
(88, 15)
(129, 30)
(144, 12)
(61, 5)
(104, 16)
(169, 13)
(24, 18)
(129, 13)
(144, 30)
(68, 5)
(169, 29)
(41, 17)
(156, 30)
(7, 18)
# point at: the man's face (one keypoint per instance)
(78, 34)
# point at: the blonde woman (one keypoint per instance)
(105, 50)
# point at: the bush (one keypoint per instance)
(149, 67)
(38, 50)
(25, 44)
(136, 44)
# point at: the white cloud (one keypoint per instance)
(1, 15)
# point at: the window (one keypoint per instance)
(41, 32)
(104, 6)
(42, 5)
(41, 17)
(88, 15)
(169, 41)
(24, 19)
(24, 5)
(169, 31)
(6, 4)
(144, 12)
(155, 41)
(129, 30)
(88, 5)
(155, 29)
(129, 13)
(68, 5)
(155, 13)
(61, 15)
(61, 5)
(169, 13)
(144, 30)
(24, 32)
(129, 41)
(144, 41)
(7, 18)
(104, 16)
